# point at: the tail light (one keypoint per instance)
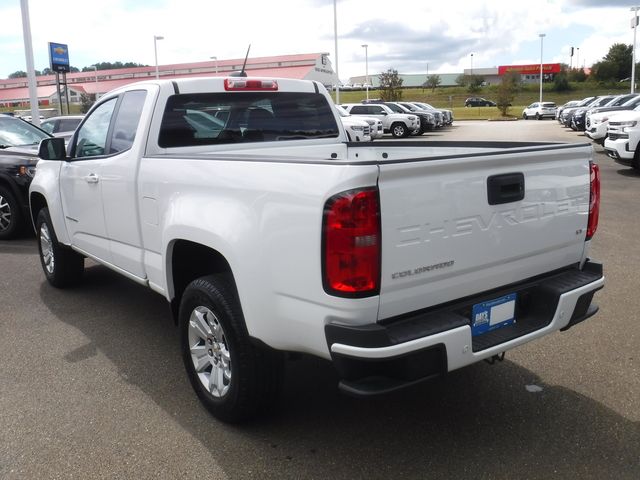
(351, 243)
(594, 200)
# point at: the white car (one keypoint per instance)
(598, 124)
(398, 124)
(376, 129)
(540, 110)
(623, 137)
(358, 130)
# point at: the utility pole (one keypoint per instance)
(31, 71)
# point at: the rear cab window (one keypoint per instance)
(223, 118)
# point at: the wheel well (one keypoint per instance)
(189, 261)
(36, 203)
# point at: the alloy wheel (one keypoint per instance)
(209, 351)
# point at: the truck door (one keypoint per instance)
(119, 184)
(80, 186)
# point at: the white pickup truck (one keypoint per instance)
(242, 203)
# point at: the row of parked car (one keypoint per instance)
(610, 120)
(400, 119)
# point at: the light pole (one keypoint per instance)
(366, 71)
(155, 51)
(216, 59)
(95, 69)
(634, 24)
(472, 64)
(542, 35)
(578, 57)
(335, 39)
(31, 71)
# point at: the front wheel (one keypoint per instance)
(538, 117)
(525, 117)
(399, 130)
(62, 266)
(233, 378)
(10, 215)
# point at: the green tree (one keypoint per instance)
(18, 74)
(507, 91)
(433, 81)
(561, 82)
(86, 101)
(615, 65)
(390, 86)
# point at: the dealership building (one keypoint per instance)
(492, 76)
(14, 92)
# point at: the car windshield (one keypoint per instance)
(586, 101)
(396, 108)
(16, 133)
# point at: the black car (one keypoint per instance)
(19, 141)
(478, 102)
(577, 120)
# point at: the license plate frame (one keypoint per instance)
(493, 314)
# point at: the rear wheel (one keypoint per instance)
(399, 130)
(538, 116)
(524, 116)
(62, 266)
(233, 378)
(10, 214)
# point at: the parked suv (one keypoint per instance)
(398, 124)
(427, 120)
(478, 102)
(19, 142)
(623, 137)
(540, 110)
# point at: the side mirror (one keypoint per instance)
(52, 149)
(383, 113)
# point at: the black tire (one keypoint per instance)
(635, 163)
(61, 266)
(11, 217)
(524, 116)
(254, 375)
(399, 130)
(538, 117)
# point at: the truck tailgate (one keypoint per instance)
(455, 226)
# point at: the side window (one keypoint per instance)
(358, 110)
(375, 109)
(91, 139)
(68, 125)
(127, 119)
(47, 126)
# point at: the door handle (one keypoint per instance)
(92, 178)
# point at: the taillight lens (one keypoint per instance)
(594, 200)
(351, 243)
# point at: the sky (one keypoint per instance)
(411, 37)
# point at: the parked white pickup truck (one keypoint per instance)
(240, 201)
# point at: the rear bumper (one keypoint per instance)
(378, 358)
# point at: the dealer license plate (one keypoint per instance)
(493, 314)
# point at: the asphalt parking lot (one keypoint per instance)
(92, 384)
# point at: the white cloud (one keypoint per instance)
(443, 35)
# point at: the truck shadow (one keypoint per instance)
(480, 422)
